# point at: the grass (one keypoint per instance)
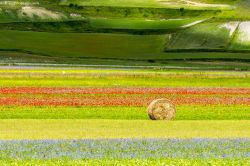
(217, 121)
(203, 36)
(83, 45)
(99, 49)
(119, 72)
(127, 3)
(105, 49)
(104, 78)
(32, 129)
(195, 60)
(124, 82)
(105, 25)
(137, 3)
(12, 14)
(128, 162)
(9, 16)
(63, 77)
(191, 60)
(197, 112)
(217, 1)
(138, 23)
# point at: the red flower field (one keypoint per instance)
(122, 96)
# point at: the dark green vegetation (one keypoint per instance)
(133, 26)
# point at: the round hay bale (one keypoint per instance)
(161, 109)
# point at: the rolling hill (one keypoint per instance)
(209, 34)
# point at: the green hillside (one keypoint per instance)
(183, 33)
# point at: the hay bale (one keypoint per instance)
(161, 109)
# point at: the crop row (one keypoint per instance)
(128, 162)
(184, 112)
(38, 129)
(50, 90)
(126, 100)
(126, 149)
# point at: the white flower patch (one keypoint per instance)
(230, 26)
(244, 32)
(39, 12)
(75, 15)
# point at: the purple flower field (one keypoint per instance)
(126, 149)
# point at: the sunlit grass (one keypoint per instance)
(123, 78)
(124, 82)
(185, 112)
(135, 162)
(79, 129)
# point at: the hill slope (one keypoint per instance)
(153, 32)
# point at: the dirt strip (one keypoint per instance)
(198, 91)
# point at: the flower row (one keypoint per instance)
(47, 90)
(126, 100)
(126, 149)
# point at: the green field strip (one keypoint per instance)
(104, 25)
(139, 23)
(197, 60)
(196, 112)
(80, 129)
(108, 46)
(121, 72)
(104, 49)
(127, 3)
(129, 162)
(83, 44)
(72, 112)
(149, 3)
(68, 77)
(125, 82)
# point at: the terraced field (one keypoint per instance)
(76, 116)
(176, 34)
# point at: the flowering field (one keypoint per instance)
(95, 117)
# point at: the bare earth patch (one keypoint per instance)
(230, 26)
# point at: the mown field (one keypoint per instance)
(78, 116)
